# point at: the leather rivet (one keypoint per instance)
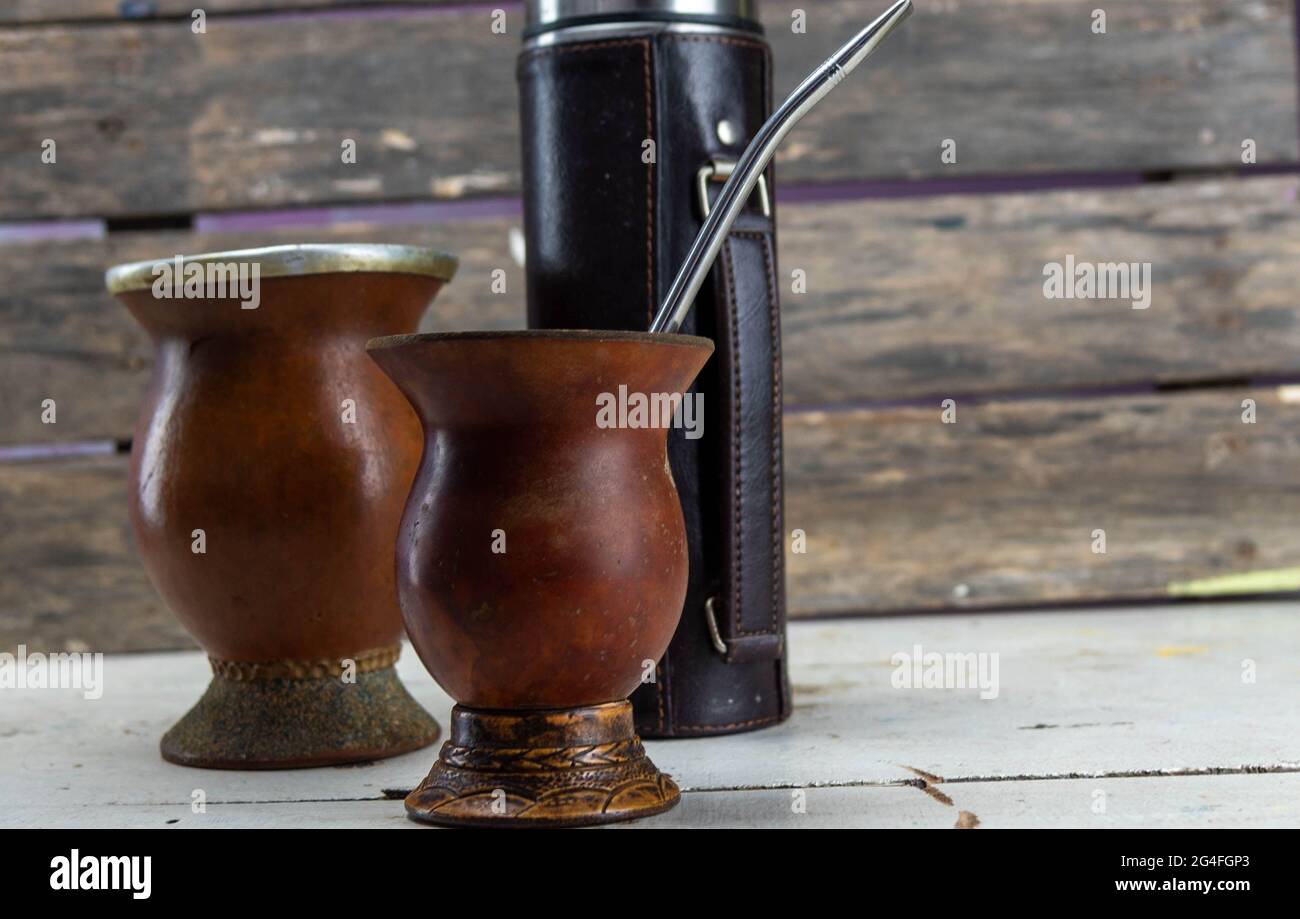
(727, 132)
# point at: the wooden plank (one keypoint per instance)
(1225, 801)
(900, 512)
(1198, 801)
(922, 298)
(151, 118)
(1092, 696)
(903, 511)
(1219, 802)
(1029, 87)
(29, 11)
(66, 339)
(944, 296)
(71, 578)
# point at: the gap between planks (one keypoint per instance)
(397, 794)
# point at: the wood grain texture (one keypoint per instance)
(921, 298)
(900, 512)
(903, 511)
(1028, 87)
(1218, 801)
(69, 574)
(945, 296)
(150, 118)
(1088, 700)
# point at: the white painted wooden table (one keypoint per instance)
(1123, 717)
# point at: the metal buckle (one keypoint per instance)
(719, 171)
(715, 636)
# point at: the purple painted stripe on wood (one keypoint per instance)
(398, 11)
(143, 13)
(1269, 169)
(1265, 382)
(511, 208)
(966, 185)
(383, 214)
(26, 453)
(415, 212)
(1295, 35)
(51, 229)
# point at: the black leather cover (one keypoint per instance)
(606, 231)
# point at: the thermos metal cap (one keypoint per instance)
(547, 15)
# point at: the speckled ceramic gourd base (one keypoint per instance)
(566, 767)
(291, 714)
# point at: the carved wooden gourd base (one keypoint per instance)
(294, 714)
(568, 767)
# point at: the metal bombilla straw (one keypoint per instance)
(699, 260)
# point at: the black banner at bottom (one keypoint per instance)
(299, 868)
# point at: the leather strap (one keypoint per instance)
(749, 612)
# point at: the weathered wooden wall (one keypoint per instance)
(153, 119)
(924, 279)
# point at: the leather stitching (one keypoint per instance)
(764, 241)
(778, 416)
(649, 188)
(752, 722)
(721, 40)
(778, 549)
(733, 314)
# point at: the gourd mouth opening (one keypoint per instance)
(536, 378)
(290, 261)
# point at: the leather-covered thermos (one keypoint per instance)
(633, 113)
